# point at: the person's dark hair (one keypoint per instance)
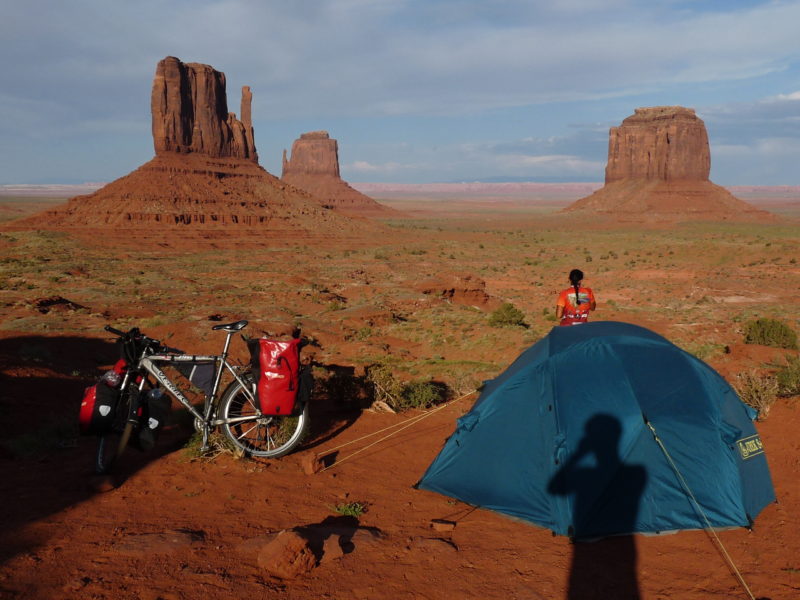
(575, 277)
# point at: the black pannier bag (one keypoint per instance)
(154, 412)
(305, 385)
(199, 375)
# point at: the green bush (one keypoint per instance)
(401, 396)
(350, 509)
(507, 316)
(789, 378)
(770, 332)
(420, 394)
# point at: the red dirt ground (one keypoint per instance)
(173, 528)
(177, 529)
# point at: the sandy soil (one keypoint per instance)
(171, 527)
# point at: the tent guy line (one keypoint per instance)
(709, 529)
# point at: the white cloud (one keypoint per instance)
(88, 65)
(362, 166)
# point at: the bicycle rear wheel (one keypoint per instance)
(113, 443)
(256, 434)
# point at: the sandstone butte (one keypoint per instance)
(205, 171)
(314, 167)
(658, 167)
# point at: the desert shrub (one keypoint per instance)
(350, 509)
(385, 386)
(757, 391)
(402, 396)
(770, 332)
(507, 315)
(789, 378)
(420, 394)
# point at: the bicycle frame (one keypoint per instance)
(207, 417)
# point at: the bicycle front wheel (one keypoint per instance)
(113, 442)
(256, 434)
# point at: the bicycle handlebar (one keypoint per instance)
(116, 332)
(136, 336)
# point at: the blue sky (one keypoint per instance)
(415, 91)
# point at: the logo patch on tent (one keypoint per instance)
(750, 446)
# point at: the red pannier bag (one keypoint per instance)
(277, 366)
(99, 404)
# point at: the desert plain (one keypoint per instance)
(412, 290)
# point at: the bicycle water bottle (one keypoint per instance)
(111, 378)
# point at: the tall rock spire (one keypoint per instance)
(190, 113)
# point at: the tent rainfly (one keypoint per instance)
(607, 428)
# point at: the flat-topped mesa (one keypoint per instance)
(190, 113)
(662, 143)
(314, 168)
(658, 165)
(314, 153)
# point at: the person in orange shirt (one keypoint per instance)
(575, 303)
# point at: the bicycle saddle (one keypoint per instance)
(238, 326)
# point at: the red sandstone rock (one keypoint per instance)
(190, 113)
(665, 143)
(287, 556)
(314, 167)
(465, 289)
(314, 153)
(658, 166)
(205, 172)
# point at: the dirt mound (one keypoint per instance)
(658, 166)
(314, 167)
(640, 200)
(190, 189)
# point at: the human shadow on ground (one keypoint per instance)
(604, 495)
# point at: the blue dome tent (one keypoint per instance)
(607, 428)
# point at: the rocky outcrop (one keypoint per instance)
(466, 289)
(313, 154)
(658, 166)
(663, 143)
(190, 113)
(205, 173)
(314, 167)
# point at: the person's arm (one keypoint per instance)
(592, 303)
(560, 305)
